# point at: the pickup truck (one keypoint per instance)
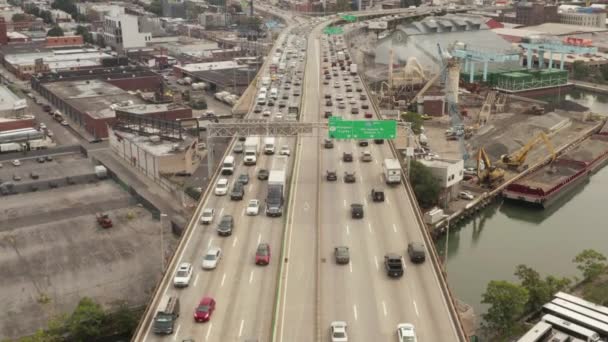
(394, 265)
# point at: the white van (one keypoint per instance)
(269, 145)
(262, 99)
(265, 81)
(221, 187)
(274, 93)
(263, 90)
(228, 166)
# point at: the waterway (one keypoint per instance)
(505, 234)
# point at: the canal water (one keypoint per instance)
(505, 235)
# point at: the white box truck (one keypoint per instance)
(228, 166)
(269, 145)
(353, 69)
(251, 150)
(276, 187)
(392, 171)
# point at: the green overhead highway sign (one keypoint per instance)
(362, 129)
(350, 18)
(333, 30)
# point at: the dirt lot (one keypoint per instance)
(51, 247)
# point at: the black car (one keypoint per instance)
(263, 174)
(354, 111)
(328, 143)
(347, 157)
(416, 252)
(224, 228)
(356, 210)
(327, 115)
(238, 191)
(282, 104)
(379, 141)
(331, 176)
(349, 177)
(362, 97)
(328, 96)
(328, 103)
(363, 143)
(257, 109)
(270, 103)
(365, 106)
(342, 255)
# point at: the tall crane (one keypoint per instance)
(518, 158)
(486, 172)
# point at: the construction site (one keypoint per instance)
(476, 94)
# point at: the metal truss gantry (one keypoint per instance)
(472, 55)
(554, 46)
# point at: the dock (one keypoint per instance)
(598, 88)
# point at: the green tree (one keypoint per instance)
(56, 31)
(604, 71)
(426, 187)
(121, 321)
(507, 303)
(87, 321)
(101, 41)
(415, 119)
(46, 16)
(540, 291)
(580, 70)
(19, 17)
(155, 7)
(591, 263)
(84, 32)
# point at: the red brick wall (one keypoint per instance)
(16, 124)
(433, 107)
(3, 37)
(147, 83)
(97, 127)
(64, 41)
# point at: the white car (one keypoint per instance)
(466, 195)
(285, 151)
(213, 256)
(278, 116)
(221, 187)
(338, 331)
(253, 207)
(208, 216)
(42, 125)
(183, 275)
(64, 123)
(406, 332)
(16, 162)
(266, 113)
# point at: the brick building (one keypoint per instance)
(532, 13)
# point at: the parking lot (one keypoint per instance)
(53, 252)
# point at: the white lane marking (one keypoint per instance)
(365, 201)
(243, 213)
(416, 308)
(223, 279)
(376, 262)
(209, 243)
(394, 227)
(221, 211)
(209, 331)
(176, 332)
(241, 328)
(355, 311)
(339, 148)
(369, 226)
(376, 161)
(388, 201)
(196, 279)
(384, 308)
(381, 178)
(361, 179)
(250, 187)
(306, 206)
(344, 203)
(251, 277)
(347, 230)
(350, 266)
(259, 238)
(234, 242)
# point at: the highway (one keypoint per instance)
(359, 293)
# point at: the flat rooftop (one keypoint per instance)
(211, 66)
(58, 57)
(563, 29)
(162, 148)
(7, 98)
(153, 108)
(93, 96)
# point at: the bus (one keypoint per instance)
(581, 310)
(581, 302)
(576, 318)
(540, 332)
(571, 329)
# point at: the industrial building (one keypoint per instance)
(225, 75)
(448, 173)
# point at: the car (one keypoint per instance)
(352, 101)
(342, 105)
(48, 158)
(366, 156)
(328, 103)
(238, 191)
(266, 113)
(350, 95)
(263, 174)
(349, 177)
(238, 147)
(40, 160)
(221, 187)
(34, 175)
(183, 275)
(354, 111)
(243, 178)
(212, 258)
(377, 195)
(331, 176)
(378, 141)
(253, 207)
(466, 195)
(328, 143)
(207, 216)
(262, 254)
(284, 151)
(16, 177)
(416, 251)
(284, 97)
(365, 105)
(337, 331)
(336, 85)
(47, 108)
(342, 255)
(339, 97)
(406, 332)
(64, 123)
(224, 228)
(356, 210)
(349, 90)
(42, 125)
(278, 116)
(257, 109)
(282, 104)
(363, 143)
(347, 157)
(270, 103)
(362, 97)
(327, 96)
(369, 115)
(326, 82)
(204, 310)
(16, 162)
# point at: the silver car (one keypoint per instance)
(211, 258)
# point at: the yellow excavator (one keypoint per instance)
(518, 158)
(487, 173)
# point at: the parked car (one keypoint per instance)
(331, 176)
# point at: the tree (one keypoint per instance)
(344, 6)
(426, 187)
(46, 16)
(415, 119)
(84, 32)
(507, 303)
(155, 7)
(87, 321)
(591, 263)
(539, 291)
(580, 70)
(101, 41)
(19, 17)
(56, 31)
(121, 321)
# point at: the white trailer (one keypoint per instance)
(277, 179)
(12, 147)
(269, 145)
(353, 69)
(392, 171)
(251, 150)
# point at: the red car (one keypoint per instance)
(368, 115)
(204, 309)
(262, 254)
